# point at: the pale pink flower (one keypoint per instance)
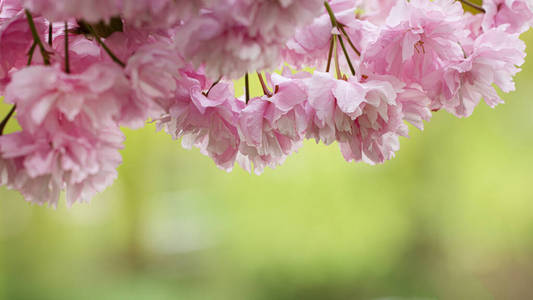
(415, 105)
(376, 11)
(83, 53)
(517, 14)
(70, 136)
(374, 135)
(9, 8)
(278, 19)
(273, 127)
(72, 158)
(15, 41)
(364, 117)
(125, 43)
(310, 44)
(419, 37)
(416, 56)
(242, 36)
(205, 118)
(328, 116)
(494, 60)
(154, 71)
(227, 49)
(102, 93)
(62, 10)
(160, 14)
(473, 24)
(155, 14)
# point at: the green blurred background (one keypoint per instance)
(451, 217)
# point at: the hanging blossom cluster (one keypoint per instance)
(75, 71)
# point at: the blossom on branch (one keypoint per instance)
(75, 71)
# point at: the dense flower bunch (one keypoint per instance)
(75, 71)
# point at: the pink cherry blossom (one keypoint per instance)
(243, 35)
(15, 41)
(156, 14)
(494, 60)
(376, 11)
(125, 43)
(61, 10)
(173, 62)
(273, 127)
(43, 164)
(70, 136)
(516, 14)
(9, 8)
(83, 53)
(375, 134)
(161, 14)
(364, 117)
(154, 71)
(327, 117)
(419, 37)
(310, 44)
(102, 93)
(415, 105)
(473, 24)
(205, 117)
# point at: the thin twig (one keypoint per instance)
(107, 50)
(36, 38)
(346, 55)
(336, 24)
(31, 52)
(331, 14)
(247, 87)
(50, 29)
(330, 54)
(212, 86)
(263, 85)
(336, 52)
(341, 27)
(67, 60)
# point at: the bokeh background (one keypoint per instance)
(451, 217)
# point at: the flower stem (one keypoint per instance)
(331, 14)
(474, 6)
(330, 54)
(247, 87)
(50, 29)
(336, 24)
(107, 50)
(263, 85)
(346, 55)
(31, 52)
(212, 86)
(336, 52)
(341, 27)
(67, 60)
(36, 38)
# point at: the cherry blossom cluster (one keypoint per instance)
(351, 72)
